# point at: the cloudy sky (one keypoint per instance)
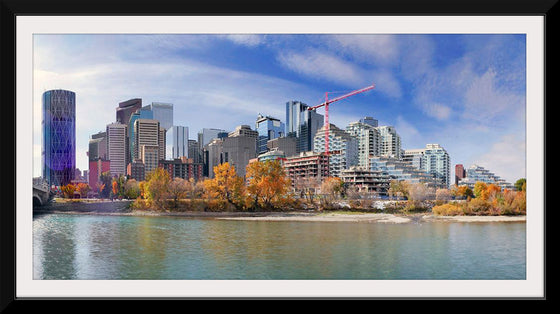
(464, 92)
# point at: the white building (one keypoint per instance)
(368, 140)
(343, 149)
(433, 160)
(477, 173)
(117, 148)
(389, 142)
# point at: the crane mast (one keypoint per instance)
(326, 105)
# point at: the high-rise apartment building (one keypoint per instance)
(59, 137)
(117, 148)
(177, 142)
(476, 173)
(437, 164)
(268, 128)
(389, 142)
(194, 152)
(302, 124)
(163, 112)
(415, 157)
(127, 108)
(368, 139)
(343, 149)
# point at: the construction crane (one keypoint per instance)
(326, 105)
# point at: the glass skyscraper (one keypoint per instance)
(163, 112)
(302, 124)
(177, 142)
(143, 113)
(59, 136)
(269, 128)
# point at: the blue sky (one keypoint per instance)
(464, 92)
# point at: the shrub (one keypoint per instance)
(449, 209)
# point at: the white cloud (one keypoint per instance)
(381, 50)
(506, 158)
(437, 111)
(251, 40)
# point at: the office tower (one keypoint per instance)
(127, 108)
(117, 148)
(149, 155)
(368, 139)
(369, 121)
(212, 153)
(460, 173)
(161, 143)
(208, 134)
(389, 142)
(177, 142)
(98, 146)
(343, 149)
(146, 132)
(239, 147)
(437, 164)
(59, 137)
(142, 113)
(194, 152)
(268, 128)
(284, 144)
(302, 124)
(163, 112)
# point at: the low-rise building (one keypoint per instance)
(184, 168)
(477, 173)
(366, 181)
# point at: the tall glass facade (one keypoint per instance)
(177, 143)
(142, 113)
(302, 124)
(59, 136)
(163, 112)
(269, 128)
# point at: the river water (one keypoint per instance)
(127, 247)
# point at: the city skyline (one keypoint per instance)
(464, 92)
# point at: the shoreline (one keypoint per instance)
(297, 216)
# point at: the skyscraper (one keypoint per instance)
(389, 142)
(59, 136)
(127, 108)
(268, 128)
(302, 124)
(437, 163)
(117, 148)
(163, 112)
(208, 134)
(177, 146)
(146, 133)
(142, 113)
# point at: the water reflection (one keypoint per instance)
(109, 247)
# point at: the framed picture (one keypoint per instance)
(257, 155)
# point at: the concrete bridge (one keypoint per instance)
(41, 192)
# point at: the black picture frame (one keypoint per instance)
(10, 9)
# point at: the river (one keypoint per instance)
(129, 247)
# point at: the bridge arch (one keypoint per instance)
(37, 201)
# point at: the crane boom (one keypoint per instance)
(326, 105)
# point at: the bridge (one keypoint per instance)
(41, 192)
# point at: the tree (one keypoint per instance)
(132, 189)
(104, 184)
(443, 195)
(332, 188)
(479, 188)
(268, 185)
(156, 187)
(398, 188)
(68, 190)
(520, 184)
(83, 189)
(226, 185)
(461, 192)
(418, 192)
(178, 189)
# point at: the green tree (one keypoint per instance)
(520, 184)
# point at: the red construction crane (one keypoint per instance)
(326, 104)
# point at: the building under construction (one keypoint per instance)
(307, 167)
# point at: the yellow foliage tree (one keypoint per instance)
(268, 185)
(226, 185)
(156, 187)
(68, 190)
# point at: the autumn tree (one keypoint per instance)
(331, 188)
(398, 188)
(226, 185)
(178, 189)
(520, 184)
(104, 185)
(68, 190)
(156, 187)
(268, 185)
(461, 192)
(418, 192)
(132, 189)
(83, 189)
(479, 188)
(444, 195)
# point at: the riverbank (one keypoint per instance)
(301, 216)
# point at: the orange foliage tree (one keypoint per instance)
(83, 189)
(226, 186)
(268, 185)
(68, 190)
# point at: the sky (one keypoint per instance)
(466, 92)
